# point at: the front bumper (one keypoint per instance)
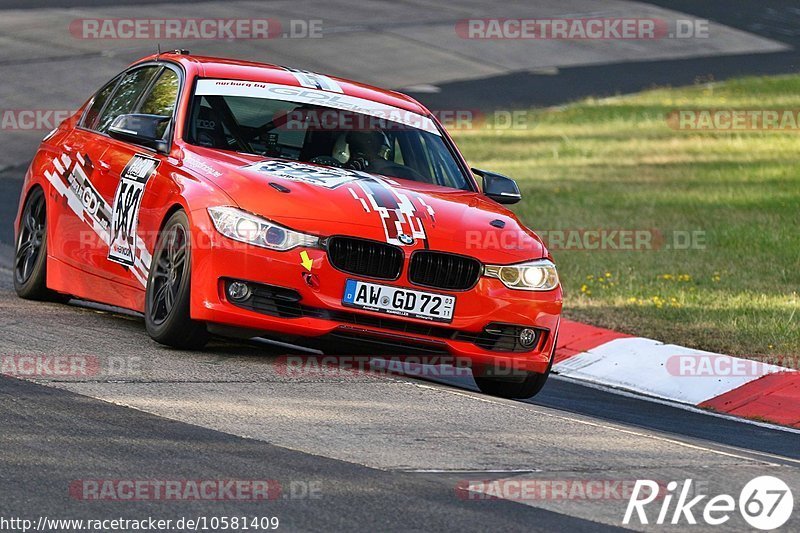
(312, 311)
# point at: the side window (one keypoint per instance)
(398, 153)
(126, 95)
(207, 126)
(93, 113)
(162, 98)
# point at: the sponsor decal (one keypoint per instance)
(314, 80)
(95, 210)
(72, 180)
(199, 164)
(127, 201)
(314, 96)
(398, 214)
(328, 177)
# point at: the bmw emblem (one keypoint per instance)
(406, 239)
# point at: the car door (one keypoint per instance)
(85, 220)
(77, 209)
(132, 171)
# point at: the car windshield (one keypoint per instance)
(321, 127)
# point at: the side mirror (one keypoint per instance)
(144, 130)
(499, 188)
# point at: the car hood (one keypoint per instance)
(326, 201)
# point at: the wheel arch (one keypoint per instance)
(23, 199)
(30, 184)
(171, 210)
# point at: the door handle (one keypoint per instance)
(104, 167)
(67, 148)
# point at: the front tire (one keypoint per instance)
(167, 298)
(30, 256)
(528, 386)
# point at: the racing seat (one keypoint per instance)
(209, 131)
(317, 143)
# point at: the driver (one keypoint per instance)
(372, 151)
(364, 150)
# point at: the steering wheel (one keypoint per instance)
(396, 170)
(325, 160)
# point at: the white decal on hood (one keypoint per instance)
(396, 210)
(328, 177)
(398, 213)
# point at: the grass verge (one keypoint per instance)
(734, 197)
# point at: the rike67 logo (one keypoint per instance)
(765, 503)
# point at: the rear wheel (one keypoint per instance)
(30, 257)
(167, 299)
(528, 385)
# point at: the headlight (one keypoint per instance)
(244, 227)
(534, 276)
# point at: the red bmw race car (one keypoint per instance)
(250, 200)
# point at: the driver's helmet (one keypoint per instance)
(366, 145)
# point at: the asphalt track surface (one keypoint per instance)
(85, 436)
(387, 452)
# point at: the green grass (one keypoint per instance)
(615, 163)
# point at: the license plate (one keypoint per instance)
(399, 301)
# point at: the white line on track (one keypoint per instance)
(677, 405)
(445, 471)
(431, 384)
(762, 457)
